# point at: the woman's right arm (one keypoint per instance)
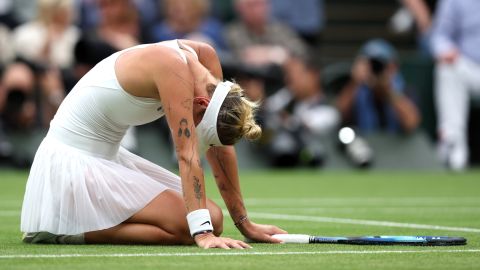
(174, 82)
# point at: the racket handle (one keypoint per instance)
(293, 238)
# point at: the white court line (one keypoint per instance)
(368, 200)
(347, 209)
(238, 253)
(362, 222)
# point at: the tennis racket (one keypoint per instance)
(373, 240)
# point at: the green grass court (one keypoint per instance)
(321, 203)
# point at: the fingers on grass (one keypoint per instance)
(224, 246)
(235, 244)
(244, 245)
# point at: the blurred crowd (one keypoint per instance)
(270, 47)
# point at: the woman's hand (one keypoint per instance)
(208, 240)
(259, 232)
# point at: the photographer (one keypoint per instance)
(299, 119)
(375, 99)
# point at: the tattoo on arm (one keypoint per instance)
(183, 129)
(187, 104)
(197, 187)
(238, 209)
(221, 163)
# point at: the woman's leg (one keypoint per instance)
(162, 221)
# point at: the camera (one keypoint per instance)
(356, 148)
(377, 65)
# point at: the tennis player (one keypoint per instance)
(84, 187)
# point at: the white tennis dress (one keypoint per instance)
(81, 179)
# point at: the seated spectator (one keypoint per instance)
(375, 97)
(256, 40)
(50, 38)
(88, 14)
(188, 19)
(119, 24)
(298, 116)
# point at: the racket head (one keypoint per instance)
(394, 240)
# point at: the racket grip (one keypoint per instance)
(293, 238)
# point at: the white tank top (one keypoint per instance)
(97, 112)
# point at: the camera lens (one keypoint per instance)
(377, 65)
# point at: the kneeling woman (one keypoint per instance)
(84, 188)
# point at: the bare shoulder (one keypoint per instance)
(157, 56)
(139, 70)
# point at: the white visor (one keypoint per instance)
(206, 130)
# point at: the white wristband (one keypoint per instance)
(199, 221)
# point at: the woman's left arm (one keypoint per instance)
(223, 161)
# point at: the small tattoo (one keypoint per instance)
(222, 187)
(183, 129)
(221, 162)
(197, 187)
(187, 104)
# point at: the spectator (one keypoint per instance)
(298, 117)
(31, 97)
(188, 19)
(306, 17)
(256, 40)
(17, 98)
(119, 24)
(375, 98)
(89, 14)
(455, 43)
(50, 38)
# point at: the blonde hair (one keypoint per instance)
(46, 8)
(236, 118)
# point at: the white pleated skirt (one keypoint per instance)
(78, 185)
